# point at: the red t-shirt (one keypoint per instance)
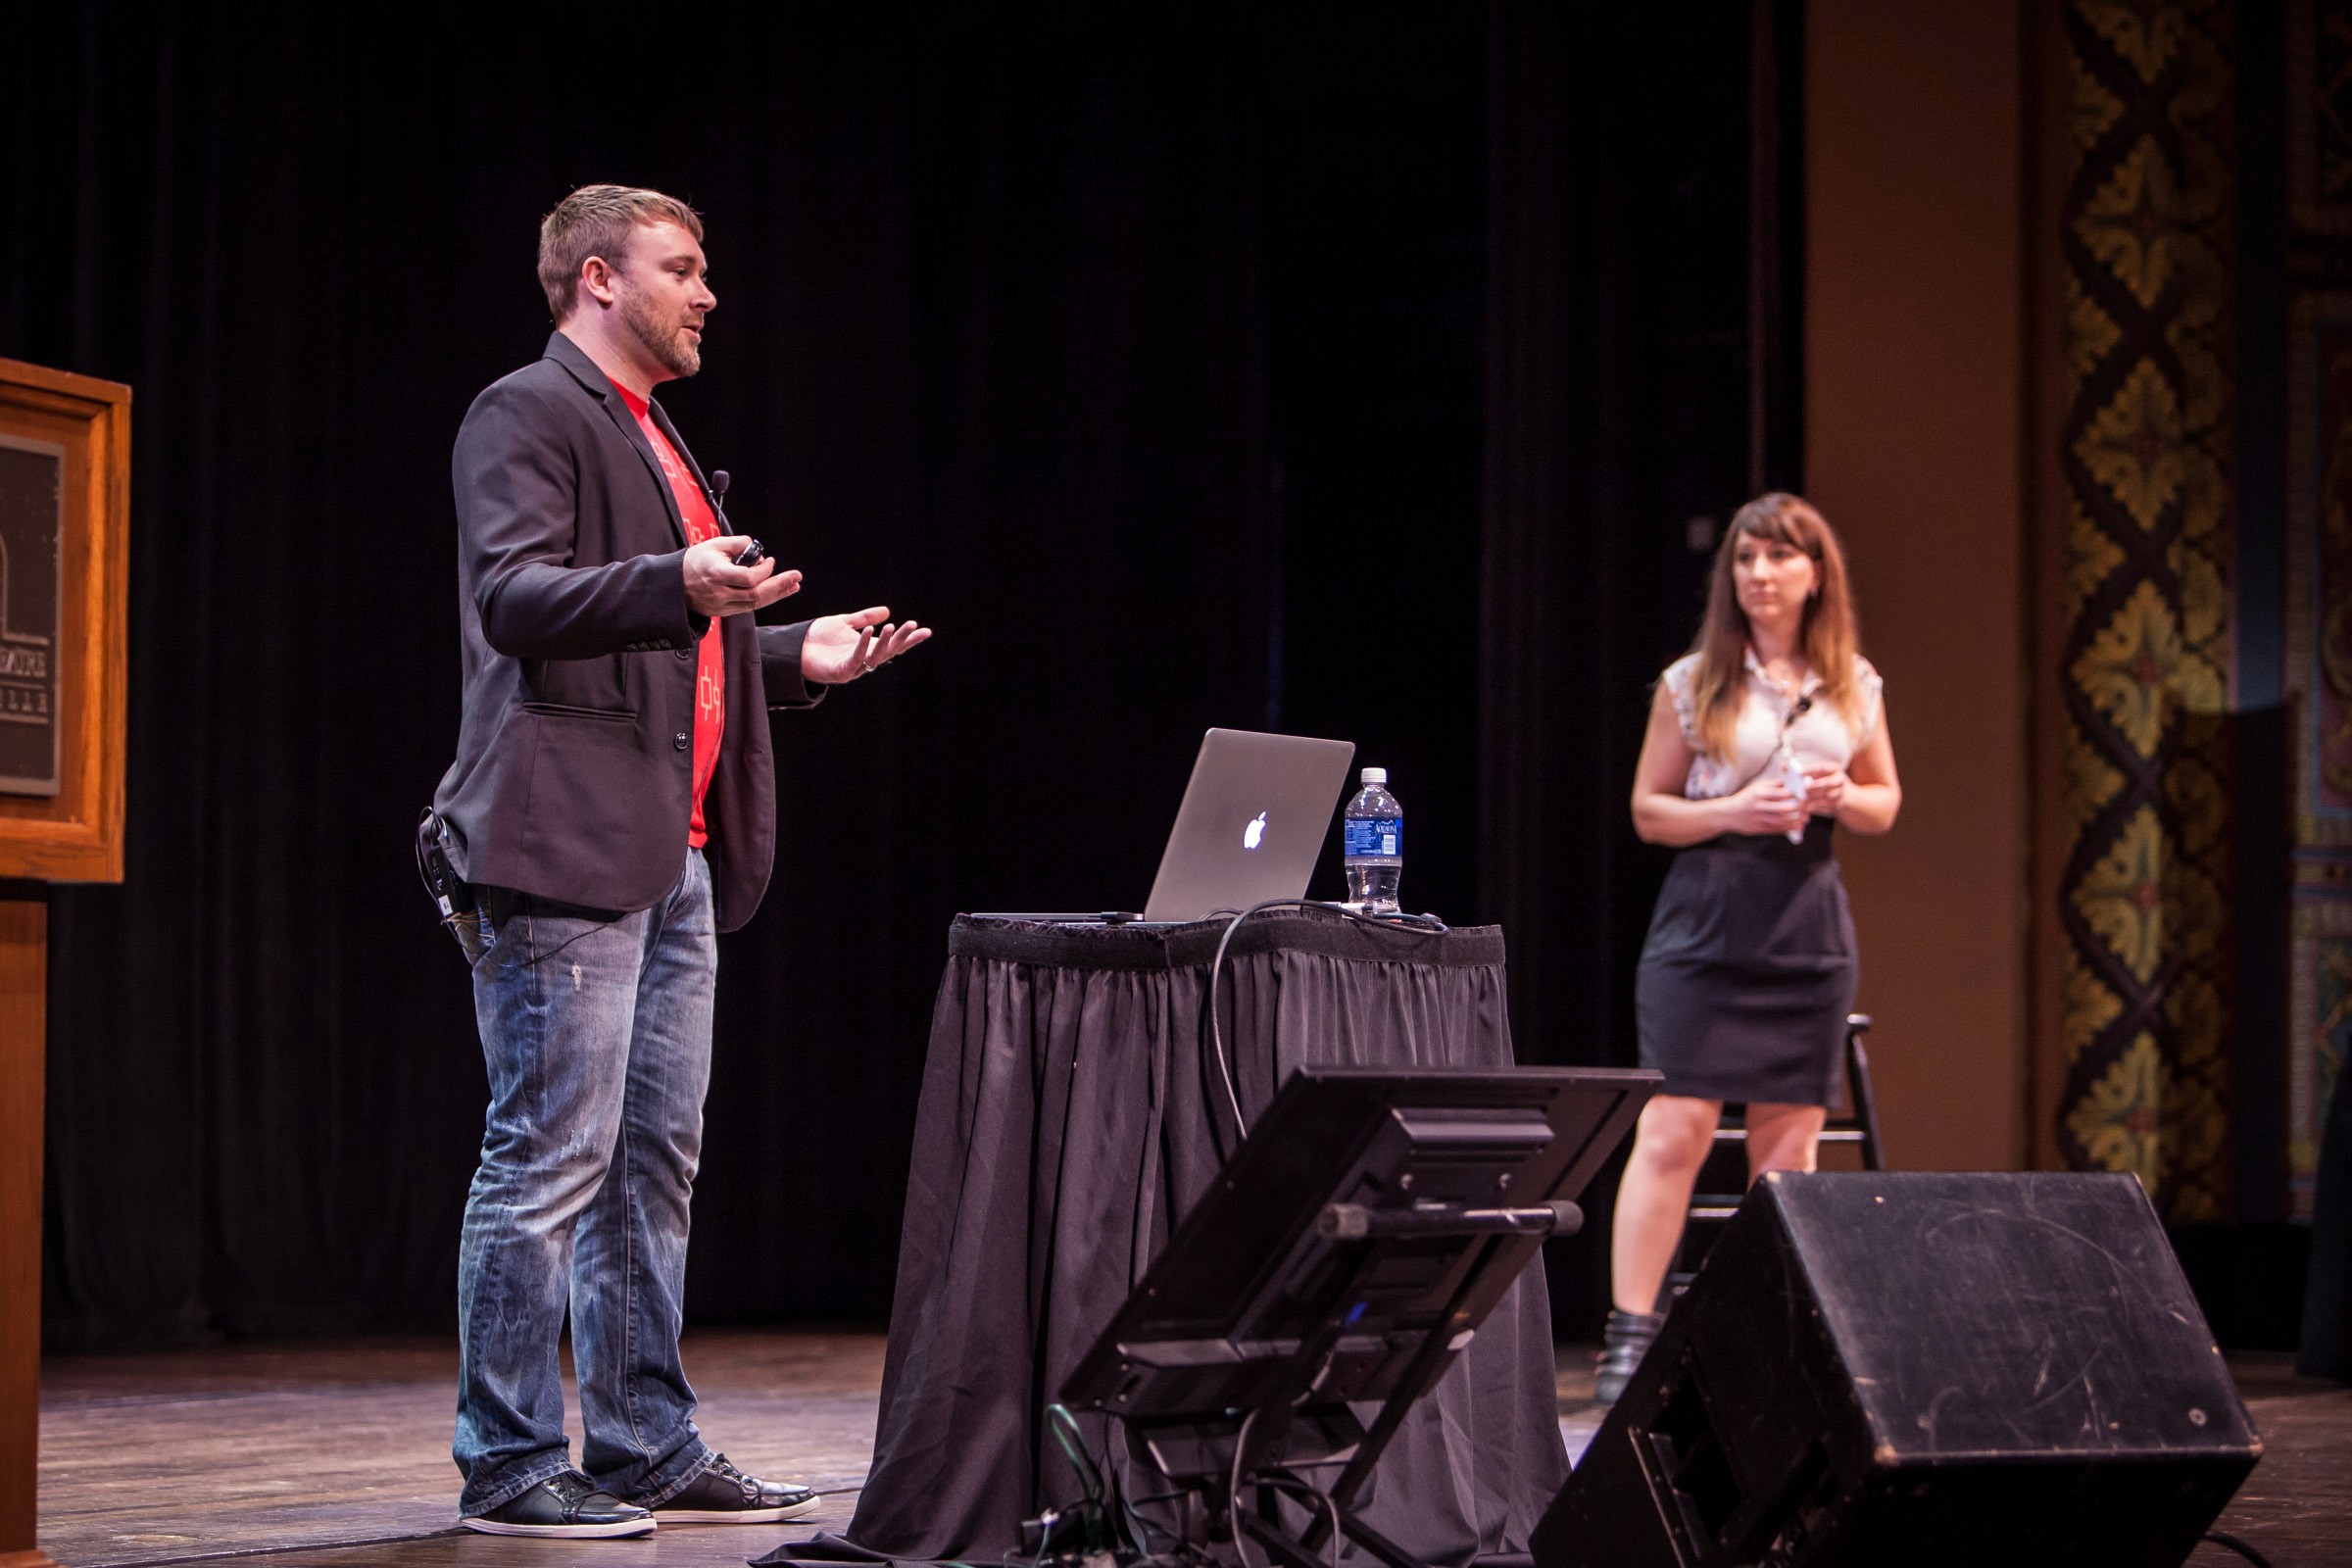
(710, 665)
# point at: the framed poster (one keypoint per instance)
(32, 525)
(65, 497)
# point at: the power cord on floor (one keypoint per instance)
(2223, 1538)
(1427, 924)
(1105, 1524)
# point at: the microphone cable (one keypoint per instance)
(1425, 924)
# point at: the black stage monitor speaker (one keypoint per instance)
(1884, 1368)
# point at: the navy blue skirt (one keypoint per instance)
(1749, 971)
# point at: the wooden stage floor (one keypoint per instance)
(337, 1454)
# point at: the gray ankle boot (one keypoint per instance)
(1623, 1342)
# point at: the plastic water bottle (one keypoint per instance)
(1372, 838)
(1793, 778)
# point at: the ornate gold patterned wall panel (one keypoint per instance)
(2319, 156)
(2319, 690)
(2144, 672)
(2317, 682)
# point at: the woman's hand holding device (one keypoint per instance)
(1824, 788)
(1766, 806)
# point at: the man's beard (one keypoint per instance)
(666, 343)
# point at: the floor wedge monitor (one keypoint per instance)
(1895, 1367)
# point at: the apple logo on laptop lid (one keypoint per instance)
(1256, 831)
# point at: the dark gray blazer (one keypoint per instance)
(575, 778)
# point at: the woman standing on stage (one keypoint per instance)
(1761, 739)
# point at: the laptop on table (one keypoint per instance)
(1252, 822)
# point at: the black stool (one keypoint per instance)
(1858, 1126)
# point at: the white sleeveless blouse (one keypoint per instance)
(1818, 734)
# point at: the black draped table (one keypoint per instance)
(1067, 1124)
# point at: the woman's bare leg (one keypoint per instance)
(1671, 1142)
(1782, 1138)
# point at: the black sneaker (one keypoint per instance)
(566, 1505)
(724, 1496)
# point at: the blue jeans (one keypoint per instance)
(597, 1035)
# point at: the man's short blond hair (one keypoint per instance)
(598, 220)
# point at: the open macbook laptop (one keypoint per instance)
(1253, 821)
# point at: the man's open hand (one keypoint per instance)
(717, 587)
(842, 648)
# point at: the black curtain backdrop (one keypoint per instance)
(1620, 345)
(1150, 359)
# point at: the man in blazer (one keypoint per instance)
(613, 802)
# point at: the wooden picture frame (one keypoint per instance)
(74, 831)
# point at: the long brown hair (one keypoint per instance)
(1827, 636)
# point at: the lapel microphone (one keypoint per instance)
(753, 554)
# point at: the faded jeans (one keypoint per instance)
(596, 1036)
